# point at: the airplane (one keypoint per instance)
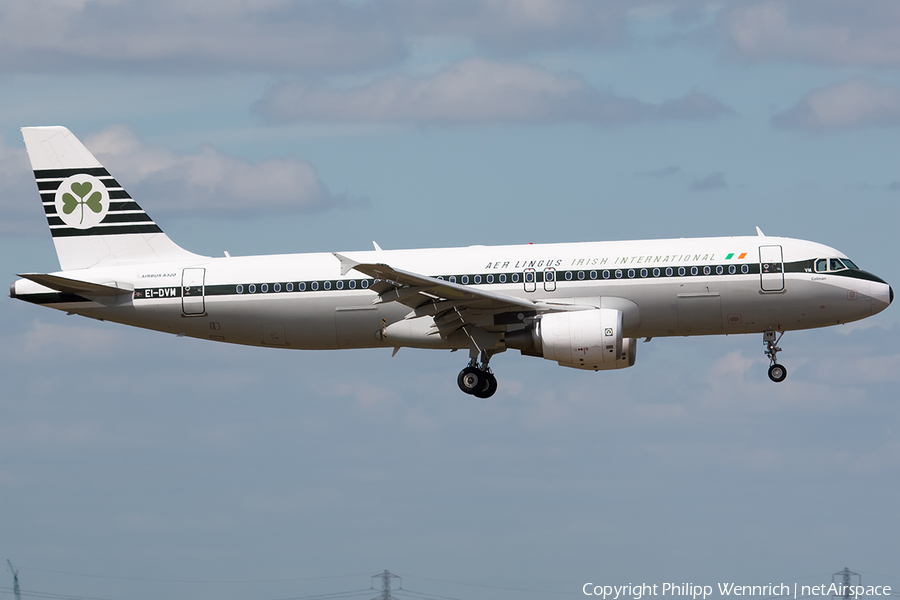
(583, 305)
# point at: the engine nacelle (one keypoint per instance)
(583, 339)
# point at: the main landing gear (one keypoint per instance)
(777, 373)
(476, 379)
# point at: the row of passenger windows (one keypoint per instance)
(550, 274)
(529, 276)
(303, 286)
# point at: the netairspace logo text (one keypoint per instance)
(636, 592)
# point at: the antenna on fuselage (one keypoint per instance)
(759, 232)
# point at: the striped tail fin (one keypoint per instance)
(93, 220)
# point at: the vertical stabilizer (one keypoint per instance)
(93, 220)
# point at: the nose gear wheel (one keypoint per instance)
(777, 372)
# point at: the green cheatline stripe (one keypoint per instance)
(729, 256)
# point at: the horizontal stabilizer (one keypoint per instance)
(75, 286)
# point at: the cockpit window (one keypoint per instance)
(821, 265)
(837, 265)
(850, 264)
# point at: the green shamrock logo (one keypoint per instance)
(71, 203)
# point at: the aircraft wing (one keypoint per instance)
(452, 305)
(414, 290)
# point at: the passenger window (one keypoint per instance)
(502, 278)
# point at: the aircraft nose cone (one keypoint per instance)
(882, 297)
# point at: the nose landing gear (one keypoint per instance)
(777, 373)
(478, 380)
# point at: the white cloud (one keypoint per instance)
(208, 179)
(476, 91)
(827, 31)
(196, 35)
(509, 27)
(713, 181)
(284, 35)
(74, 339)
(854, 103)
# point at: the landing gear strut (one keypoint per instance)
(777, 373)
(478, 380)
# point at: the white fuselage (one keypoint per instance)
(698, 286)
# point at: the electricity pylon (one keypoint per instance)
(16, 580)
(846, 575)
(385, 577)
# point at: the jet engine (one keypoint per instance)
(583, 339)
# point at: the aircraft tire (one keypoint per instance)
(471, 380)
(490, 386)
(777, 373)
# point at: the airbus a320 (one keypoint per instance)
(583, 305)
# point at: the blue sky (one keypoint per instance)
(135, 464)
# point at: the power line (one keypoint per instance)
(423, 595)
(160, 580)
(55, 596)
